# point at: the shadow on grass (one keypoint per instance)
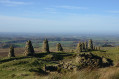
(60, 56)
(96, 50)
(40, 55)
(10, 59)
(92, 60)
(56, 56)
(38, 71)
(102, 51)
(18, 58)
(109, 63)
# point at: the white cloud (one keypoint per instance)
(51, 10)
(115, 11)
(12, 3)
(77, 23)
(71, 7)
(55, 8)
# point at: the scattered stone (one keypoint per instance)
(91, 60)
(50, 68)
(81, 61)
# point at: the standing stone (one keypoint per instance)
(94, 48)
(83, 46)
(90, 44)
(45, 47)
(79, 48)
(98, 48)
(29, 50)
(59, 47)
(86, 46)
(11, 52)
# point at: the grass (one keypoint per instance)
(28, 67)
(109, 52)
(22, 67)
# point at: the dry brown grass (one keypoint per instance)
(102, 73)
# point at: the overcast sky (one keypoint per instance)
(63, 16)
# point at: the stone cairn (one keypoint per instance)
(90, 44)
(45, 47)
(98, 48)
(29, 50)
(59, 47)
(79, 48)
(86, 46)
(94, 48)
(83, 46)
(11, 52)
